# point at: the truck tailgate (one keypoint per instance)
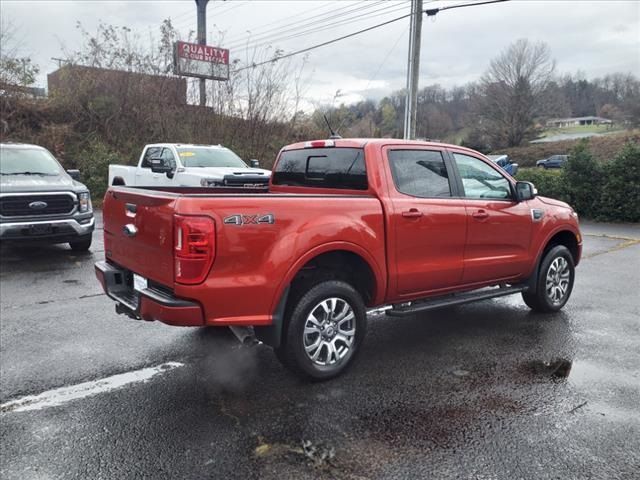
(138, 232)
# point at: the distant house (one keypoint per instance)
(71, 79)
(577, 121)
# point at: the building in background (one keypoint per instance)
(577, 121)
(102, 82)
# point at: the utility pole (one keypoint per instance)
(202, 40)
(413, 64)
(413, 70)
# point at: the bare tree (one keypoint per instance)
(15, 70)
(513, 88)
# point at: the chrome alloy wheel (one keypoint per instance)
(329, 331)
(558, 278)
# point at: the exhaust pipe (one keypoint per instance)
(245, 335)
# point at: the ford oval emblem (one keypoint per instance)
(38, 205)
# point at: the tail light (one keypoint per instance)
(194, 248)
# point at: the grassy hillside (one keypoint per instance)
(581, 129)
(603, 148)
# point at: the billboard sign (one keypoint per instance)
(202, 61)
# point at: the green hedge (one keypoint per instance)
(550, 183)
(609, 192)
(93, 160)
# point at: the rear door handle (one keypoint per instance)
(480, 215)
(412, 213)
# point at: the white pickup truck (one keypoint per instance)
(182, 165)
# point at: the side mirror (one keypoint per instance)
(75, 174)
(514, 169)
(158, 165)
(254, 163)
(525, 191)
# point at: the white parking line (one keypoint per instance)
(60, 396)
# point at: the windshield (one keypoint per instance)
(209, 157)
(27, 161)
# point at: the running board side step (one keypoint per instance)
(451, 300)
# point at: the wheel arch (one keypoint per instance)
(363, 273)
(336, 256)
(563, 236)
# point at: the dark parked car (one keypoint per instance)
(554, 161)
(40, 201)
(504, 162)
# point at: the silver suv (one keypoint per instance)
(40, 201)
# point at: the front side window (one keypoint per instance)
(28, 161)
(480, 180)
(204, 157)
(342, 168)
(152, 153)
(419, 173)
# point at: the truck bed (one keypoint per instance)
(260, 239)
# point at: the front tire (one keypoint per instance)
(555, 281)
(82, 244)
(325, 328)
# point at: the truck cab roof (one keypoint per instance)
(362, 142)
(181, 145)
(22, 146)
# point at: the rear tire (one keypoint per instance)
(324, 329)
(555, 281)
(82, 244)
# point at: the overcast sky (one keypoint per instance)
(594, 37)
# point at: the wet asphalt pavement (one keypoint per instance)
(483, 391)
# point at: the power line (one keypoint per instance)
(323, 44)
(377, 13)
(375, 75)
(236, 39)
(188, 23)
(182, 15)
(307, 24)
(226, 9)
(231, 7)
(429, 12)
(413, 71)
(433, 11)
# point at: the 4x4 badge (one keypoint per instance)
(240, 219)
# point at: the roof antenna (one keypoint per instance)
(334, 135)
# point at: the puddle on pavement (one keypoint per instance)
(557, 368)
(582, 373)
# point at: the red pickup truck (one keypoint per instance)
(346, 225)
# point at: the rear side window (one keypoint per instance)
(420, 173)
(342, 168)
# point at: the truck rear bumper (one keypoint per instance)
(149, 304)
